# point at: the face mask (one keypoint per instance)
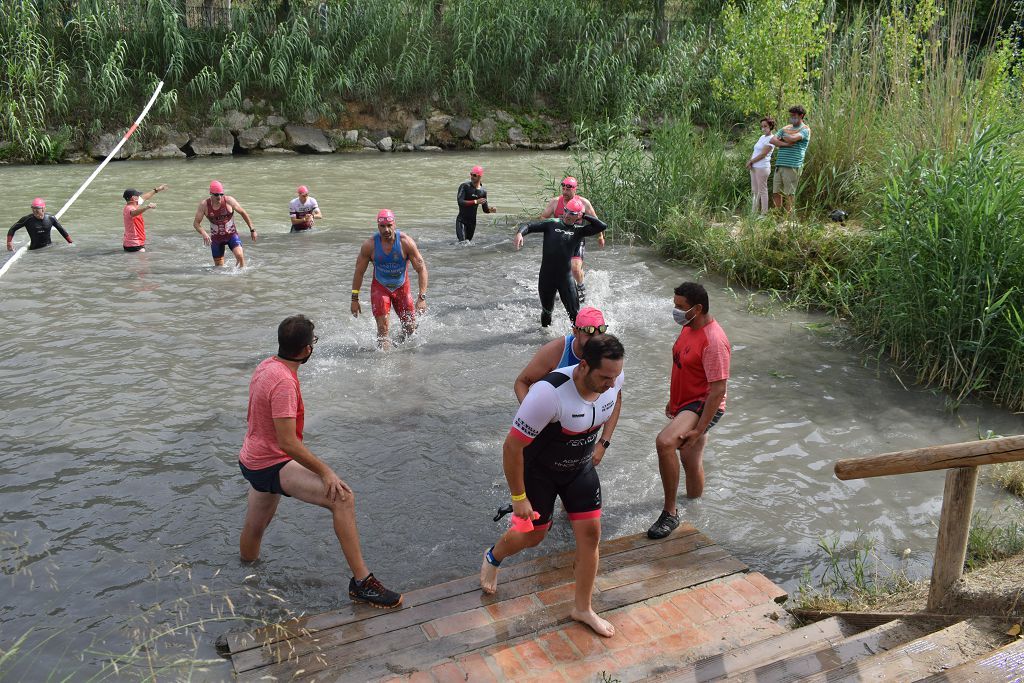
(680, 316)
(794, 120)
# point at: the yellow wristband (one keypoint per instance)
(518, 497)
(355, 291)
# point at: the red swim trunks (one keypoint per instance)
(382, 298)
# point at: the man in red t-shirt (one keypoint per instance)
(277, 463)
(700, 370)
(134, 225)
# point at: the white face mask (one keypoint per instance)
(679, 316)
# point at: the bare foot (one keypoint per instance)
(596, 623)
(488, 577)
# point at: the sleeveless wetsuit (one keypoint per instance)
(560, 241)
(561, 429)
(390, 280)
(38, 230)
(568, 357)
(465, 222)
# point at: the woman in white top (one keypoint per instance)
(760, 165)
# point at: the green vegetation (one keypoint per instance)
(81, 65)
(916, 133)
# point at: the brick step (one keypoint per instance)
(652, 635)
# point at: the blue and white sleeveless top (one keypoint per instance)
(389, 269)
(568, 357)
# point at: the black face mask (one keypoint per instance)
(300, 361)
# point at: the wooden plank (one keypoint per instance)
(935, 652)
(737, 661)
(879, 639)
(872, 619)
(383, 621)
(954, 528)
(969, 454)
(999, 666)
(351, 612)
(363, 660)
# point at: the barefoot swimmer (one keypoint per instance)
(38, 225)
(277, 463)
(555, 209)
(470, 196)
(302, 210)
(220, 210)
(548, 454)
(391, 253)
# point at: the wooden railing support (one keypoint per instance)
(954, 529)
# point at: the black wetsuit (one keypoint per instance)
(465, 223)
(560, 242)
(38, 230)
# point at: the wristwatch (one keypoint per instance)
(604, 442)
(423, 296)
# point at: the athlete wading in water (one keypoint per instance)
(555, 209)
(38, 225)
(470, 196)
(391, 252)
(561, 239)
(220, 210)
(548, 453)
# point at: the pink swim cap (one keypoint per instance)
(477, 170)
(303, 189)
(574, 205)
(216, 187)
(569, 181)
(386, 216)
(38, 203)
(589, 316)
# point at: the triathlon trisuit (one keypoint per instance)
(465, 222)
(568, 357)
(561, 429)
(560, 241)
(222, 222)
(299, 209)
(38, 230)
(559, 210)
(389, 269)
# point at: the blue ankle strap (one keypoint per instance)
(489, 556)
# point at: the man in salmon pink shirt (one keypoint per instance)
(277, 463)
(700, 370)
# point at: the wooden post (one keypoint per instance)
(954, 527)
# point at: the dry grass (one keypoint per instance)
(1010, 476)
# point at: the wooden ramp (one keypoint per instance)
(665, 597)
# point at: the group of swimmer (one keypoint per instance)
(569, 393)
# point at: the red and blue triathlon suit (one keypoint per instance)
(391, 280)
(560, 430)
(222, 227)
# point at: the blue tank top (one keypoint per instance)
(389, 269)
(568, 357)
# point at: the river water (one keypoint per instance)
(123, 380)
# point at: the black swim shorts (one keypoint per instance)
(266, 480)
(698, 407)
(580, 491)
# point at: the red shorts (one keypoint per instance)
(382, 298)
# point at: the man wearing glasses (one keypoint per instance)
(38, 225)
(471, 195)
(391, 252)
(554, 209)
(220, 210)
(561, 239)
(276, 462)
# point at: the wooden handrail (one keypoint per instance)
(969, 454)
(962, 460)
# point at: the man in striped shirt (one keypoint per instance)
(792, 141)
